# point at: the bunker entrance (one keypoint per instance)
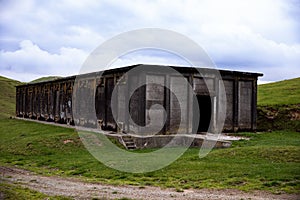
(202, 123)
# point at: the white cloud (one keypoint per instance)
(31, 61)
(81, 37)
(149, 56)
(260, 82)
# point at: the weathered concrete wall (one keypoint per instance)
(48, 101)
(229, 88)
(155, 103)
(245, 104)
(159, 141)
(178, 105)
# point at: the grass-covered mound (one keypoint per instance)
(7, 96)
(279, 105)
(286, 92)
(43, 79)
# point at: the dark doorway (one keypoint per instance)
(103, 105)
(204, 103)
(109, 118)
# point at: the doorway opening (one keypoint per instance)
(204, 104)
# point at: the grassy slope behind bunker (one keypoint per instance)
(7, 96)
(285, 92)
(279, 105)
(47, 78)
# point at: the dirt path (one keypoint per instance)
(82, 190)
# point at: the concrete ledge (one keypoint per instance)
(157, 141)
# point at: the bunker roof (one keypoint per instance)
(180, 69)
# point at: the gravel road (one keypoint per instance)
(77, 189)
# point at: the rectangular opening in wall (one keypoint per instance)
(202, 123)
(109, 119)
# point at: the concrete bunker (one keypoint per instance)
(52, 100)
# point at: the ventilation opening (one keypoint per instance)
(204, 103)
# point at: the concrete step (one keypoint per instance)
(128, 142)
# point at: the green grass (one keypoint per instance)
(14, 192)
(269, 161)
(285, 92)
(42, 79)
(7, 96)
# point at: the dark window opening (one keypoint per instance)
(204, 103)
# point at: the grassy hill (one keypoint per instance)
(7, 96)
(279, 105)
(47, 78)
(285, 92)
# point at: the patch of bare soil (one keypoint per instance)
(77, 189)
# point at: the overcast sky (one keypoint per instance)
(43, 38)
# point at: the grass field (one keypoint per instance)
(269, 161)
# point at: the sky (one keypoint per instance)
(54, 38)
